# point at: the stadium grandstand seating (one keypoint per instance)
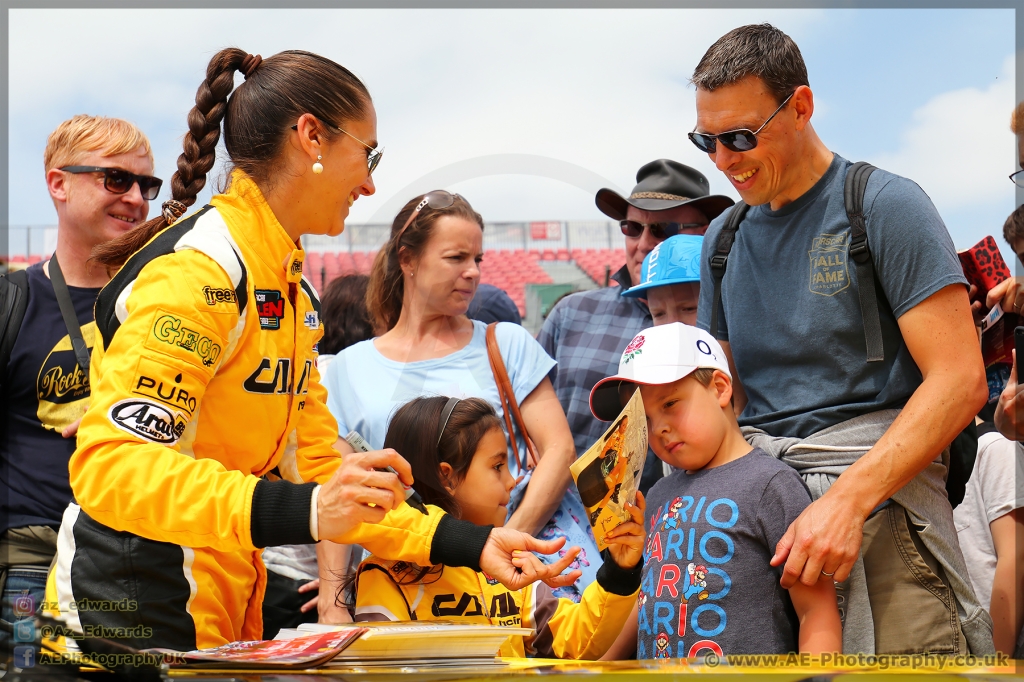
(510, 270)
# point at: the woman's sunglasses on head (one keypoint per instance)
(437, 199)
(120, 181)
(660, 231)
(741, 140)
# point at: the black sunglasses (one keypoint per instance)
(120, 181)
(660, 231)
(741, 140)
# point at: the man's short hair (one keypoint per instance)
(83, 133)
(1017, 119)
(759, 50)
(1013, 228)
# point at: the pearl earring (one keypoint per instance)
(318, 167)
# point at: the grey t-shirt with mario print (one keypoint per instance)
(707, 584)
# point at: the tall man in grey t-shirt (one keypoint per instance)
(791, 325)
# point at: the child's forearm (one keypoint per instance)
(821, 631)
(1006, 609)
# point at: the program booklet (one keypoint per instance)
(308, 651)
(608, 474)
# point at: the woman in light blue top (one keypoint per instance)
(420, 288)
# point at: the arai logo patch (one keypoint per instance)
(148, 421)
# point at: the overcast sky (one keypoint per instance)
(590, 95)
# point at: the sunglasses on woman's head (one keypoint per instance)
(120, 181)
(660, 231)
(439, 198)
(741, 140)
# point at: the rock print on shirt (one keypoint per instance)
(62, 388)
(686, 577)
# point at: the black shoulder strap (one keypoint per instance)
(13, 302)
(720, 258)
(368, 566)
(853, 194)
(67, 311)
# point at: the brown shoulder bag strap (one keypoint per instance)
(509, 406)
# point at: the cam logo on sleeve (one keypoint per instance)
(270, 308)
(147, 420)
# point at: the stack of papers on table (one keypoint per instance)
(412, 643)
(308, 651)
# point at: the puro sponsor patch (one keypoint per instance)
(169, 385)
(269, 307)
(172, 332)
(147, 420)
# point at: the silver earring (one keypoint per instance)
(318, 167)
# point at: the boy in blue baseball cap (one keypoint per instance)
(670, 280)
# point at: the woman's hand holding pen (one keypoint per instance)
(359, 493)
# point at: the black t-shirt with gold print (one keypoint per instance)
(46, 391)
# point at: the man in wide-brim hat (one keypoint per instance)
(586, 332)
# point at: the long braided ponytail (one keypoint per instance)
(256, 119)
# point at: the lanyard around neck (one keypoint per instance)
(67, 311)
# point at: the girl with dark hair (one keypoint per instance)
(421, 285)
(204, 381)
(458, 454)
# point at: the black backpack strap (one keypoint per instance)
(853, 193)
(720, 258)
(67, 311)
(13, 302)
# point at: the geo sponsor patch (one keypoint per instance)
(147, 420)
(172, 332)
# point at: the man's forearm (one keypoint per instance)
(937, 411)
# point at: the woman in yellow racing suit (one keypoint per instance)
(205, 379)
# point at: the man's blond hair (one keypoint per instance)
(83, 133)
(1017, 119)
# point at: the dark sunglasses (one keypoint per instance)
(373, 155)
(741, 140)
(120, 181)
(660, 231)
(439, 198)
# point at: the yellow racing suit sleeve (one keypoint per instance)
(315, 456)
(128, 472)
(564, 629)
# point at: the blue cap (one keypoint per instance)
(673, 261)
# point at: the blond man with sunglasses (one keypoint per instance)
(99, 174)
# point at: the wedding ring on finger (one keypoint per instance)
(824, 572)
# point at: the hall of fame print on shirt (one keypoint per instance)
(707, 583)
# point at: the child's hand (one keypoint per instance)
(626, 541)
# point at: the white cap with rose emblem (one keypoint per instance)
(658, 355)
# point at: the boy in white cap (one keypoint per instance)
(708, 586)
(670, 280)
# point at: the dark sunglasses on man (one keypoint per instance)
(741, 140)
(120, 181)
(660, 231)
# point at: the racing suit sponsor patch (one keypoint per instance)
(172, 332)
(147, 420)
(213, 296)
(169, 385)
(270, 308)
